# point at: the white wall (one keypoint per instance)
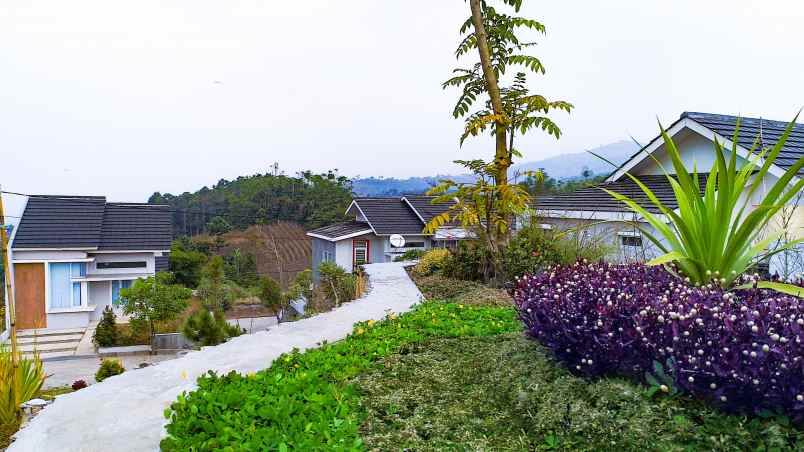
(48, 255)
(343, 254)
(122, 257)
(100, 294)
(694, 148)
(65, 320)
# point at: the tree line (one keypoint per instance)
(311, 199)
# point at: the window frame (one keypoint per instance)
(367, 248)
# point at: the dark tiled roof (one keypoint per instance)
(425, 207)
(89, 222)
(390, 216)
(334, 231)
(136, 227)
(594, 199)
(61, 222)
(752, 128)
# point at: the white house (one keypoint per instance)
(694, 135)
(367, 238)
(71, 255)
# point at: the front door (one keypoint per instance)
(29, 286)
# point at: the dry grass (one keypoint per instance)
(455, 290)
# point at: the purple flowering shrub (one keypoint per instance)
(740, 349)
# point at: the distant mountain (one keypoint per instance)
(570, 166)
(561, 167)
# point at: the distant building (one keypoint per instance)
(366, 238)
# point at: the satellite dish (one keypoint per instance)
(397, 241)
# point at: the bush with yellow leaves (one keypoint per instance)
(432, 261)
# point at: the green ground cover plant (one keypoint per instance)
(306, 401)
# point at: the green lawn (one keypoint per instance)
(503, 393)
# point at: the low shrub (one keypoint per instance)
(78, 384)
(206, 329)
(306, 401)
(409, 255)
(336, 284)
(533, 249)
(741, 350)
(109, 367)
(468, 262)
(106, 333)
(432, 261)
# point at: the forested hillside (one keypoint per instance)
(309, 199)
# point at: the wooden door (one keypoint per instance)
(29, 287)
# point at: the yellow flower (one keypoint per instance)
(371, 322)
(360, 331)
(183, 375)
(460, 306)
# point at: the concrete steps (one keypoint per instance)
(50, 343)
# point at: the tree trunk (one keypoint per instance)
(501, 157)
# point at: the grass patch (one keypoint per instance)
(504, 393)
(472, 293)
(51, 393)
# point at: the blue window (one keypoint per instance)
(76, 294)
(78, 269)
(60, 286)
(64, 293)
(116, 286)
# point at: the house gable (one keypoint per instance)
(694, 135)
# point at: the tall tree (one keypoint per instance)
(490, 204)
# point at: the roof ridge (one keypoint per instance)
(693, 114)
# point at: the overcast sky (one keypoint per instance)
(124, 98)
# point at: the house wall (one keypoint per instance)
(591, 231)
(343, 254)
(95, 294)
(148, 258)
(696, 151)
(319, 247)
(100, 294)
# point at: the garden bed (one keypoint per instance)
(455, 377)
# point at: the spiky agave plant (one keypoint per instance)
(714, 236)
(14, 391)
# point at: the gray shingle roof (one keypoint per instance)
(136, 227)
(89, 222)
(390, 216)
(337, 230)
(752, 128)
(61, 222)
(594, 199)
(425, 207)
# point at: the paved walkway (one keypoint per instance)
(125, 413)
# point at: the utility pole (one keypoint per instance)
(12, 315)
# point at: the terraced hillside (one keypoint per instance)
(281, 249)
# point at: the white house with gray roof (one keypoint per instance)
(694, 135)
(71, 255)
(367, 237)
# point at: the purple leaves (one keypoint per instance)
(742, 350)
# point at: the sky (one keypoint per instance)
(124, 99)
